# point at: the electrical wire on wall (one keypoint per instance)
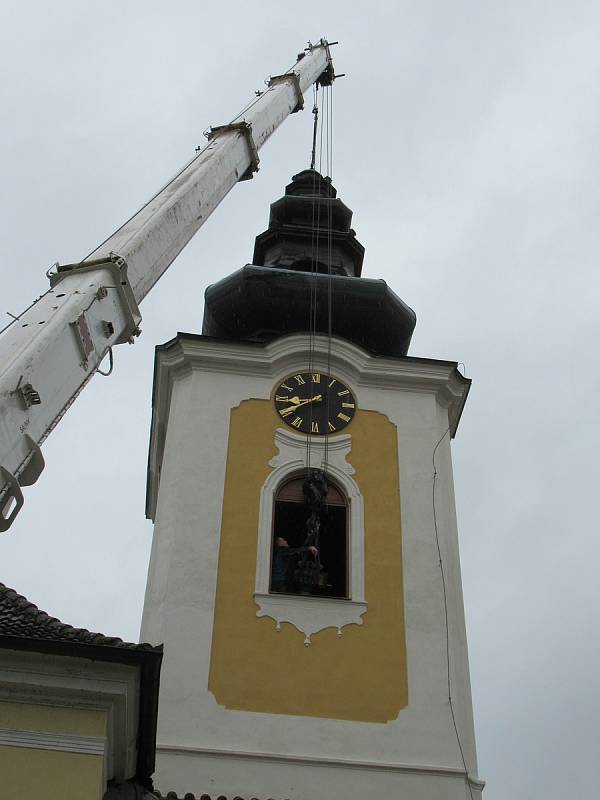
(445, 596)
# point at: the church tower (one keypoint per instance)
(304, 575)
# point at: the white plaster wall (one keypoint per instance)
(182, 580)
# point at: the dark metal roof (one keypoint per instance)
(264, 303)
(309, 230)
(21, 618)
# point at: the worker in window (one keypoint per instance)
(283, 558)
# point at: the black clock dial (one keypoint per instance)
(315, 403)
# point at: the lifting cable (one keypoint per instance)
(329, 151)
(314, 247)
(321, 147)
(321, 212)
(321, 207)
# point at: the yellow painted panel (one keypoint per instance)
(52, 719)
(48, 774)
(362, 675)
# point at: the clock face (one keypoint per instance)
(315, 403)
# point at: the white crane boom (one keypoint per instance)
(50, 352)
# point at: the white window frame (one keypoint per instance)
(311, 614)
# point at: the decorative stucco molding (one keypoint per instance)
(27, 677)
(311, 614)
(437, 771)
(37, 740)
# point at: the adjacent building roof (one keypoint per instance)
(21, 618)
(23, 626)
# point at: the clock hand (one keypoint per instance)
(295, 400)
(289, 409)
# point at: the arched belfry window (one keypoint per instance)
(339, 599)
(295, 566)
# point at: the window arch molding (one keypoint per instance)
(311, 614)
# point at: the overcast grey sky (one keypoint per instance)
(466, 142)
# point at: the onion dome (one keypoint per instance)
(307, 266)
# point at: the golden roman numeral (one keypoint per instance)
(316, 377)
(347, 405)
(298, 421)
(314, 427)
(299, 380)
(285, 386)
(332, 382)
(344, 417)
(331, 426)
(344, 391)
(282, 398)
(287, 411)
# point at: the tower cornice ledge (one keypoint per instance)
(189, 351)
(322, 761)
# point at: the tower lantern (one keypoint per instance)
(304, 575)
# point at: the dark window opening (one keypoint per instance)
(290, 515)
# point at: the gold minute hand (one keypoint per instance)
(289, 409)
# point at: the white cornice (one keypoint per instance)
(36, 740)
(387, 766)
(246, 358)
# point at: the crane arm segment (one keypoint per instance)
(154, 236)
(54, 348)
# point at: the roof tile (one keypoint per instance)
(21, 618)
(190, 796)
